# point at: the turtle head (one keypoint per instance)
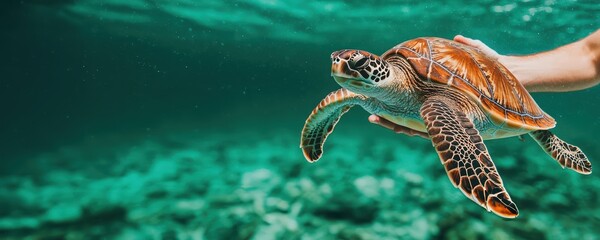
(360, 71)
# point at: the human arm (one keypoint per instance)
(572, 67)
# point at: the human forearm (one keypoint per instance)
(571, 67)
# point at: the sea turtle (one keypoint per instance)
(454, 93)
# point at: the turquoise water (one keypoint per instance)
(181, 120)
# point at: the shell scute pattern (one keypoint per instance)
(467, 69)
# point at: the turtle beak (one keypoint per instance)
(342, 73)
(340, 66)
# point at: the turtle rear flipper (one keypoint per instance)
(322, 120)
(465, 157)
(564, 153)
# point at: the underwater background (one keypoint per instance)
(181, 119)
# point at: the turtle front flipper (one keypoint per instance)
(465, 157)
(322, 120)
(565, 154)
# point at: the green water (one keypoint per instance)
(180, 119)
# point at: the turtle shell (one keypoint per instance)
(470, 71)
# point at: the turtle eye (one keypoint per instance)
(361, 63)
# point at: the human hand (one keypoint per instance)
(395, 127)
(491, 53)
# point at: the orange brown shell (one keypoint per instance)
(470, 71)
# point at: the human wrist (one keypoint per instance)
(517, 66)
(510, 62)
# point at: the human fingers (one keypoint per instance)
(381, 122)
(395, 127)
(477, 44)
(410, 132)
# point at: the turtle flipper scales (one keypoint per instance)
(322, 120)
(465, 157)
(565, 154)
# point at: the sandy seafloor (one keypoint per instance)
(181, 120)
(251, 185)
